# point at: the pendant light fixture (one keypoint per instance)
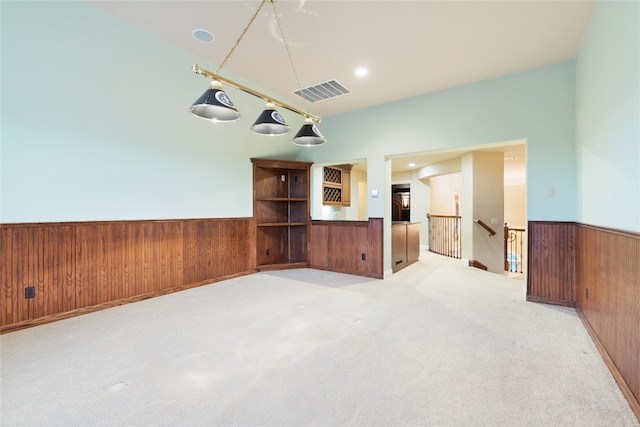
(214, 105)
(270, 122)
(309, 135)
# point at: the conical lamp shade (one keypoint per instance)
(215, 105)
(270, 122)
(309, 135)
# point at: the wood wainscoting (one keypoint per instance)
(340, 246)
(597, 271)
(551, 263)
(608, 300)
(87, 266)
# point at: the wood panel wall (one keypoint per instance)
(551, 262)
(567, 261)
(608, 266)
(77, 266)
(338, 246)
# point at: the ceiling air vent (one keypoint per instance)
(322, 91)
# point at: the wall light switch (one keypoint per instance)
(374, 193)
(550, 192)
(283, 178)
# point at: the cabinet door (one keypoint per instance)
(398, 247)
(413, 242)
(346, 187)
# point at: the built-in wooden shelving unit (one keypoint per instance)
(282, 213)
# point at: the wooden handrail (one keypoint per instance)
(485, 226)
(508, 229)
(443, 216)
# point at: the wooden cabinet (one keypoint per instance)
(282, 213)
(351, 247)
(405, 244)
(336, 185)
(398, 247)
(346, 186)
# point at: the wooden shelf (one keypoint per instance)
(281, 210)
(281, 199)
(332, 185)
(282, 224)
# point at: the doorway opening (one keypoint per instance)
(401, 202)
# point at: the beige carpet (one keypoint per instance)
(437, 344)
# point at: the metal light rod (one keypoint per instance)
(199, 70)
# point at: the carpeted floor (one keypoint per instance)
(437, 344)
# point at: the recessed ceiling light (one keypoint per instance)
(203, 36)
(412, 165)
(361, 72)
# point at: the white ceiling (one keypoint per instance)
(514, 153)
(409, 47)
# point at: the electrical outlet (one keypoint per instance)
(30, 292)
(364, 257)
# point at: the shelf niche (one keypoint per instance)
(282, 213)
(336, 185)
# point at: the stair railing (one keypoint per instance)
(514, 249)
(445, 235)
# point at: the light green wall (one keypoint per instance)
(608, 118)
(95, 124)
(536, 105)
